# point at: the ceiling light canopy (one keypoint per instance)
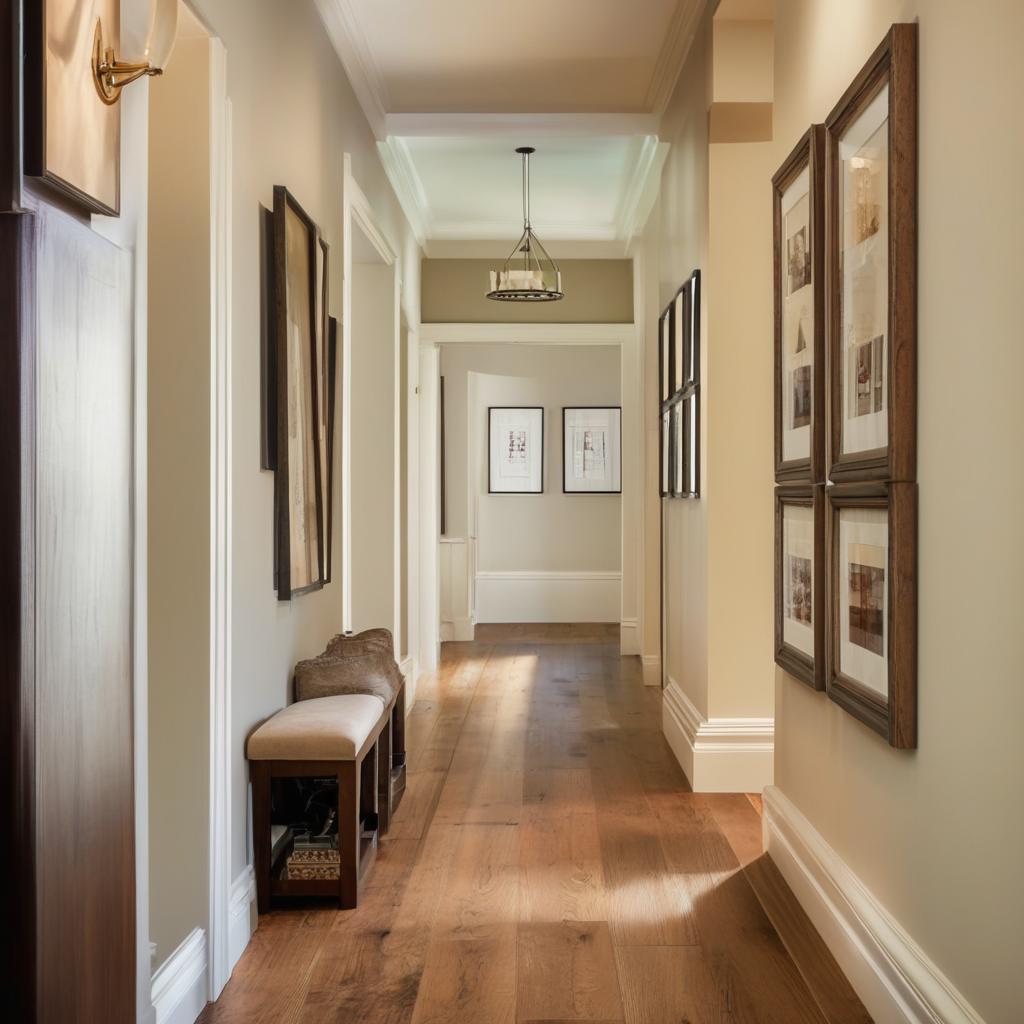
(529, 274)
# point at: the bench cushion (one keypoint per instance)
(322, 729)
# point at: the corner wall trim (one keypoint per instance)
(243, 892)
(893, 976)
(629, 636)
(718, 755)
(651, 669)
(179, 985)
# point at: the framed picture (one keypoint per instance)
(298, 484)
(680, 408)
(800, 564)
(873, 606)
(798, 190)
(324, 402)
(665, 371)
(666, 452)
(332, 376)
(871, 204)
(515, 463)
(72, 138)
(592, 449)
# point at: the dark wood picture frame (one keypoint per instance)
(36, 159)
(809, 154)
(810, 670)
(894, 64)
(682, 314)
(284, 202)
(332, 386)
(565, 466)
(665, 368)
(490, 415)
(895, 717)
(665, 453)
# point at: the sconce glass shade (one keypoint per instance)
(163, 28)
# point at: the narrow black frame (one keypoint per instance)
(573, 408)
(687, 394)
(499, 408)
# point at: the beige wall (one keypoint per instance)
(290, 128)
(179, 496)
(596, 292)
(937, 834)
(552, 532)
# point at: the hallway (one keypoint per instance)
(548, 863)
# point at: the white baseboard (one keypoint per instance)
(894, 978)
(180, 984)
(652, 669)
(548, 596)
(718, 755)
(459, 630)
(629, 636)
(243, 893)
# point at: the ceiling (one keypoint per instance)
(451, 87)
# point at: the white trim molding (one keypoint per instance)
(517, 596)
(243, 895)
(679, 38)
(629, 636)
(893, 976)
(718, 755)
(651, 668)
(528, 334)
(179, 984)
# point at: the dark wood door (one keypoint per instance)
(67, 497)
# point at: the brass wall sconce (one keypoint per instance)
(111, 75)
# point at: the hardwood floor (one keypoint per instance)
(548, 863)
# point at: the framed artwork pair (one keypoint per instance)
(300, 366)
(845, 329)
(591, 450)
(679, 392)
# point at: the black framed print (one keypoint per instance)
(515, 462)
(666, 453)
(665, 379)
(592, 449)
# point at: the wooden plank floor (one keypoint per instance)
(548, 863)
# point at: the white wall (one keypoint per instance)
(937, 834)
(567, 535)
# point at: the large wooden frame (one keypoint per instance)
(895, 715)
(285, 371)
(810, 670)
(894, 64)
(91, 131)
(808, 155)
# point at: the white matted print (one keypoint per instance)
(516, 463)
(592, 450)
(864, 248)
(863, 571)
(798, 577)
(797, 319)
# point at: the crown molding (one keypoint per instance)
(401, 172)
(642, 188)
(679, 38)
(356, 57)
(527, 126)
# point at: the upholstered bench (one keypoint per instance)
(344, 737)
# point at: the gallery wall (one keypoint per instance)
(937, 834)
(564, 535)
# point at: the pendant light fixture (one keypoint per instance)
(529, 274)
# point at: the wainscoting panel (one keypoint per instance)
(548, 596)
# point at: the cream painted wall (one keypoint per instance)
(743, 54)
(289, 128)
(937, 834)
(179, 496)
(552, 532)
(598, 291)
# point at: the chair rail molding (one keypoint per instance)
(718, 755)
(894, 977)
